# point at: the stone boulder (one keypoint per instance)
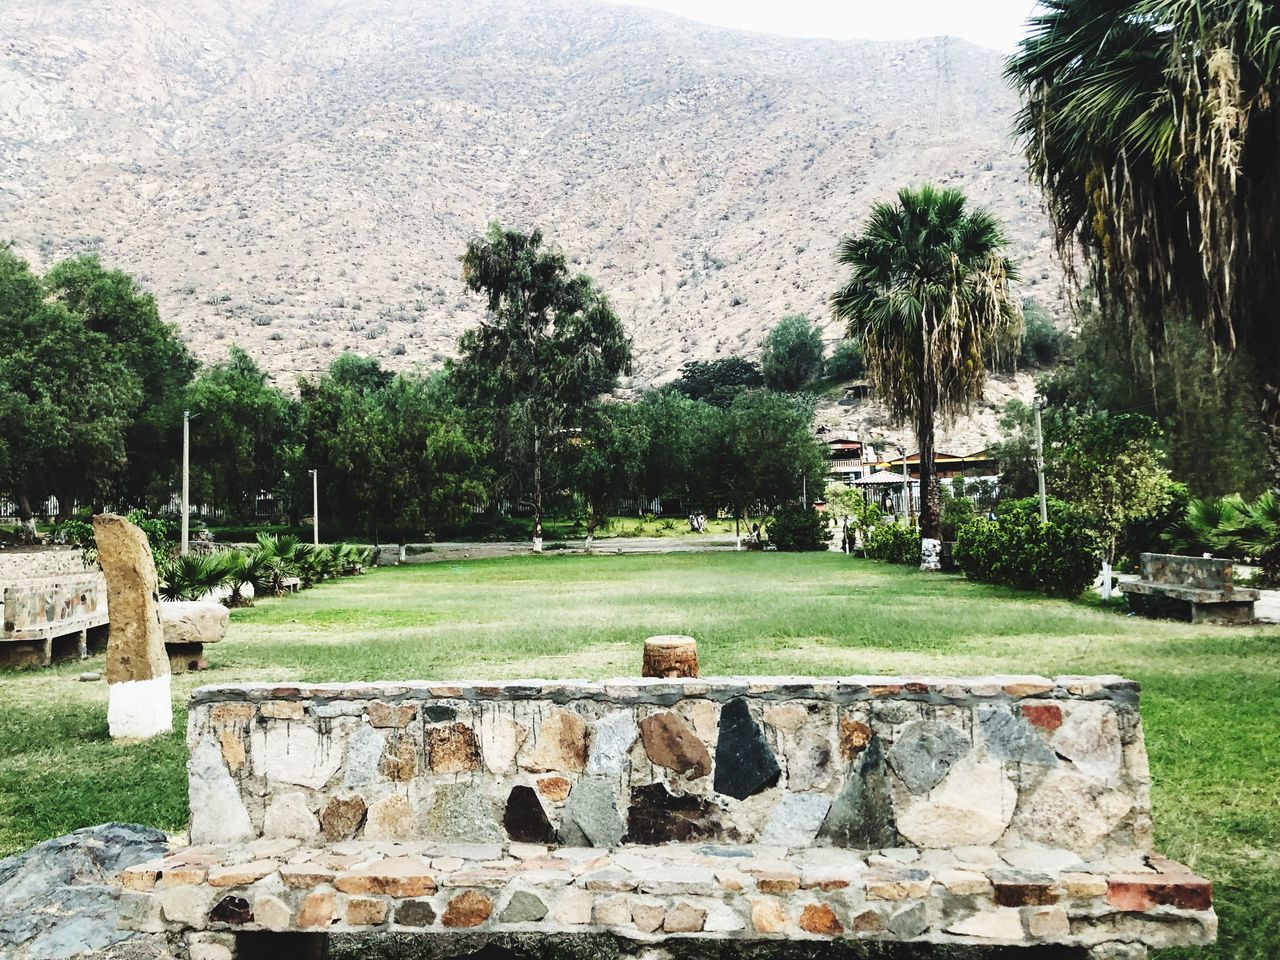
(194, 621)
(188, 625)
(59, 899)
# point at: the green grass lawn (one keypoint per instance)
(1211, 696)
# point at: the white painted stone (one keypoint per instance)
(972, 805)
(189, 905)
(297, 753)
(271, 913)
(1040, 859)
(288, 815)
(573, 907)
(796, 819)
(218, 814)
(1003, 924)
(140, 709)
(930, 554)
(364, 751)
(721, 918)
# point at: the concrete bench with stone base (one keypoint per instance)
(707, 814)
(51, 617)
(1198, 589)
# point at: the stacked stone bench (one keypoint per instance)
(983, 813)
(50, 616)
(1198, 589)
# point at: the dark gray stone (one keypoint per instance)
(1010, 736)
(745, 764)
(523, 907)
(435, 713)
(591, 817)
(925, 751)
(415, 913)
(234, 910)
(524, 819)
(58, 899)
(911, 922)
(862, 814)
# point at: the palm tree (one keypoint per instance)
(929, 302)
(1153, 127)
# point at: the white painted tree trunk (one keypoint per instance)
(1106, 580)
(537, 544)
(402, 553)
(930, 555)
(139, 709)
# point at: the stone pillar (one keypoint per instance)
(670, 657)
(140, 705)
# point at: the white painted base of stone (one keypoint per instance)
(537, 544)
(140, 709)
(930, 554)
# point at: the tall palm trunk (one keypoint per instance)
(930, 501)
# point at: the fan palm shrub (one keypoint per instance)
(279, 559)
(192, 576)
(1153, 128)
(930, 303)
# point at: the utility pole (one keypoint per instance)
(1044, 503)
(186, 481)
(315, 508)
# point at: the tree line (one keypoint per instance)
(93, 389)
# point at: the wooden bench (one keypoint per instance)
(980, 813)
(1190, 588)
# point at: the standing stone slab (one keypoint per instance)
(745, 763)
(862, 814)
(139, 705)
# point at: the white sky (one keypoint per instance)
(991, 23)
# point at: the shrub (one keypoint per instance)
(957, 510)
(798, 530)
(893, 544)
(1058, 558)
(845, 362)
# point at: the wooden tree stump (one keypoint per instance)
(670, 657)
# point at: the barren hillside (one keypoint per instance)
(299, 177)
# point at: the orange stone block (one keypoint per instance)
(1136, 893)
(554, 789)
(468, 909)
(1046, 716)
(303, 876)
(391, 715)
(395, 877)
(317, 909)
(820, 919)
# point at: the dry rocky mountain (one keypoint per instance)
(299, 177)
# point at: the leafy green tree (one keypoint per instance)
(1112, 469)
(1151, 127)
(718, 381)
(929, 301)
(792, 354)
(243, 426)
(432, 468)
(548, 346)
(66, 400)
(110, 303)
(845, 362)
(608, 459)
(339, 435)
(1043, 342)
(763, 455)
(1203, 399)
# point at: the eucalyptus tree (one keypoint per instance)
(1153, 127)
(548, 346)
(930, 302)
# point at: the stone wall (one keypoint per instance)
(862, 763)
(54, 605)
(1200, 573)
(24, 564)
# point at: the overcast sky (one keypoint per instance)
(991, 23)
